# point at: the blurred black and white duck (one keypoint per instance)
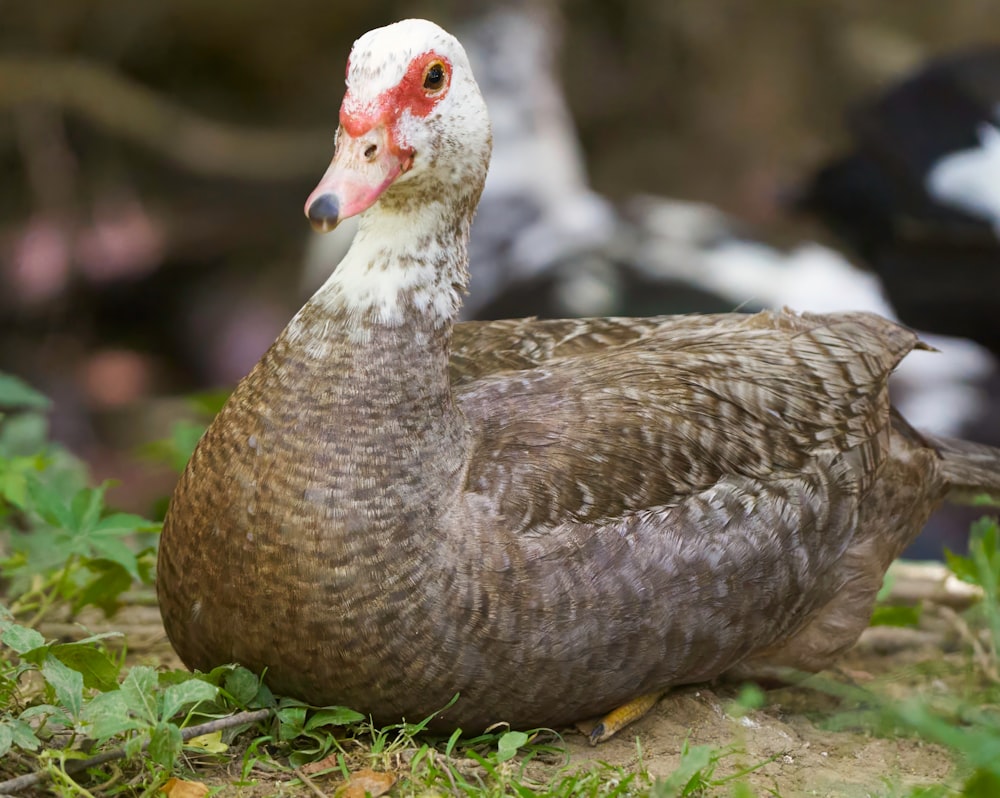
(919, 196)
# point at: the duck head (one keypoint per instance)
(413, 126)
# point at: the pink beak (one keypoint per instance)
(362, 168)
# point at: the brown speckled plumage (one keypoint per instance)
(546, 517)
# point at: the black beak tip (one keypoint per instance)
(324, 213)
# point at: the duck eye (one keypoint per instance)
(434, 76)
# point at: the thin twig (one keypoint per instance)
(447, 772)
(126, 108)
(12, 786)
(310, 784)
(225, 723)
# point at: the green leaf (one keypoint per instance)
(102, 591)
(24, 736)
(176, 450)
(751, 696)
(688, 774)
(960, 566)
(509, 744)
(67, 684)
(742, 790)
(987, 530)
(51, 505)
(139, 690)
(16, 393)
(982, 784)
(39, 552)
(242, 685)
(97, 669)
(147, 560)
(984, 550)
(291, 722)
(99, 636)
(6, 738)
(125, 524)
(48, 713)
(210, 743)
(452, 741)
(21, 638)
(333, 716)
(209, 403)
(895, 615)
(982, 566)
(184, 437)
(24, 434)
(14, 489)
(79, 528)
(87, 506)
(165, 744)
(264, 697)
(108, 545)
(177, 696)
(133, 746)
(107, 715)
(14, 483)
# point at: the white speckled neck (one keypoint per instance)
(406, 258)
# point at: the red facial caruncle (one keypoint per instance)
(411, 93)
(371, 152)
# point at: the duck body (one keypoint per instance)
(527, 543)
(547, 518)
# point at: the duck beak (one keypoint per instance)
(362, 168)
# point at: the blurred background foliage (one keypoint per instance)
(155, 156)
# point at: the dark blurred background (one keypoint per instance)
(156, 155)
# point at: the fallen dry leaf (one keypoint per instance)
(325, 763)
(364, 782)
(178, 788)
(211, 743)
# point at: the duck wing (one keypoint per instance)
(592, 419)
(483, 348)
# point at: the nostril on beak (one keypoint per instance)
(370, 152)
(324, 212)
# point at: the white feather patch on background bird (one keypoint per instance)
(970, 179)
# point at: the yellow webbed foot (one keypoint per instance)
(619, 718)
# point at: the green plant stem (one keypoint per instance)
(16, 785)
(992, 604)
(60, 775)
(23, 603)
(49, 598)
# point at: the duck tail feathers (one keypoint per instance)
(971, 469)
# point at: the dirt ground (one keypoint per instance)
(807, 733)
(808, 758)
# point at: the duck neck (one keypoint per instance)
(365, 366)
(407, 267)
(382, 322)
